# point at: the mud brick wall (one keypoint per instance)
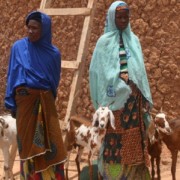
(156, 22)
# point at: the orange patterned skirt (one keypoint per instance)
(38, 131)
(125, 149)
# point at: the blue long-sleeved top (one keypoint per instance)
(33, 64)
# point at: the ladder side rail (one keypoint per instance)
(45, 4)
(86, 27)
(82, 50)
(83, 47)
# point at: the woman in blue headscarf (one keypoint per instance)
(118, 75)
(32, 81)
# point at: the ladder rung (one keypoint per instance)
(67, 11)
(70, 64)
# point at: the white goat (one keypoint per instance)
(91, 137)
(7, 141)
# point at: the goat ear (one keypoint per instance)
(112, 119)
(95, 118)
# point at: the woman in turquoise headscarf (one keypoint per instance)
(118, 75)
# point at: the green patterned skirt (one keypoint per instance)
(125, 172)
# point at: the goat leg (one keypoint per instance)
(99, 176)
(174, 161)
(67, 165)
(90, 166)
(158, 168)
(77, 165)
(78, 159)
(6, 162)
(12, 157)
(152, 170)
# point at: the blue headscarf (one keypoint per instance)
(33, 64)
(105, 85)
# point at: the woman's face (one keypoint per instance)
(34, 30)
(122, 19)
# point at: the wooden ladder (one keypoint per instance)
(79, 63)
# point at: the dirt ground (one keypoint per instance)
(165, 166)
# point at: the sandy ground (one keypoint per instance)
(165, 166)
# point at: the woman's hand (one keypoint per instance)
(13, 113)
(124, 76)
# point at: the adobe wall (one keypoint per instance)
(156, 22)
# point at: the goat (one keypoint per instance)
(172, 142)
(7, 140)
(154, 149)
(169, 132)
(90, 136)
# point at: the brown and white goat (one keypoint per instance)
(169, 133)
(154, 149)
(171, 139)
(91, 137)
(8, 143)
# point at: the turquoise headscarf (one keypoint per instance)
(105, 85)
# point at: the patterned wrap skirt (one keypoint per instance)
(125, 154)
(39, 138)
